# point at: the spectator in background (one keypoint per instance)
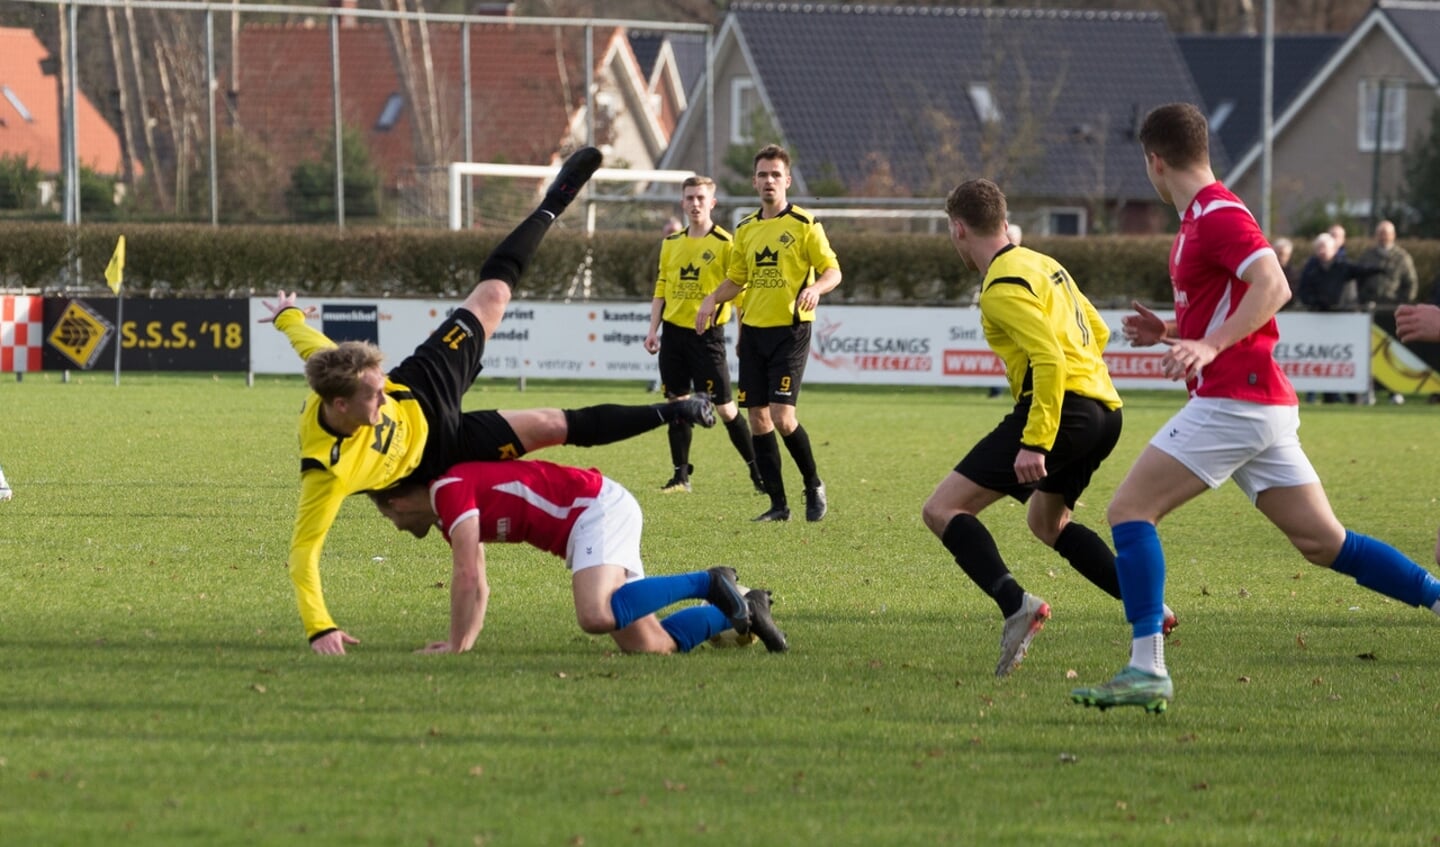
(1285, 251)
(1337, 232)
(1395, 283)
(1328, 283)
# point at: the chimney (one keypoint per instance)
(493, 10)
(346, 21)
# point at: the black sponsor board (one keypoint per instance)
(152, 335)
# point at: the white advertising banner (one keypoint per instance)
(886, 345)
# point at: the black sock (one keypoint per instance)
(975, 552)
(767, 459)
(608, 423)
(680, 433)
(1090, 556)
(512, 255)
(739, 432)
(798, 443)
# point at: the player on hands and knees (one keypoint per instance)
(591, 522)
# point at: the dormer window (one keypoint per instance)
(390, 115)
(984, 103)
(17, 103)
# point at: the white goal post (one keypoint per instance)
(459, 170)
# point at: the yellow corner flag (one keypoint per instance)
(115, 271)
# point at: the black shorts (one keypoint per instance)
(1088, 432)
(691, 361)
(772, 364)
(439, 373)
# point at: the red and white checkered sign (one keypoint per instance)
(22, 332)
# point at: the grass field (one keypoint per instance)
(158, 690)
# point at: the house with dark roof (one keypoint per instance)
(30, 119)
(907, 101)
(528, 103)
(1228, 70)
(671, 63)
(1339, 145)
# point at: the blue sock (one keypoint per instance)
(637, 599)
(1380, 567)
(1140, 567)
(693, 626)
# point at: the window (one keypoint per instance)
(390, 114)
(1222, 114)
(984, 103)
(1392, 122)
(17, 103)
(744, 105)
(1066, 220)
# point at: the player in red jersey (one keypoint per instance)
(591, 522)
(1241, 420)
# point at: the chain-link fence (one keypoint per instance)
(176, 111)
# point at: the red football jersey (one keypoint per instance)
(516, 501)
(1218, 241)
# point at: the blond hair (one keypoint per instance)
(336, 372)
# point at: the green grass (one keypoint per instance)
(158, 690)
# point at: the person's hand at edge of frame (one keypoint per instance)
(1143, 328)
(1417, 322)
(282, 302)
(333, 643)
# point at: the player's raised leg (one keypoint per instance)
(505, 265)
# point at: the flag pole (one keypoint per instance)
(119, 322)
(115, 277)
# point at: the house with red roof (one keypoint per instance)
(527, 83)
(30, 115)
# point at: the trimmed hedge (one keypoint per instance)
(166, 259)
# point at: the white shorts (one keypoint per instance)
(608, 533)
(1259, 446)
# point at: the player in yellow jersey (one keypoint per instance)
(362, 429)
(692, 264)
(1065, 422)
(783, 262)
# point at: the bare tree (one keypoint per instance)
(127, 126)
(410, 49)
(147, 123)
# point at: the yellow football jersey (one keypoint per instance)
(773, 259)
(691, 268)
(1049, 336)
